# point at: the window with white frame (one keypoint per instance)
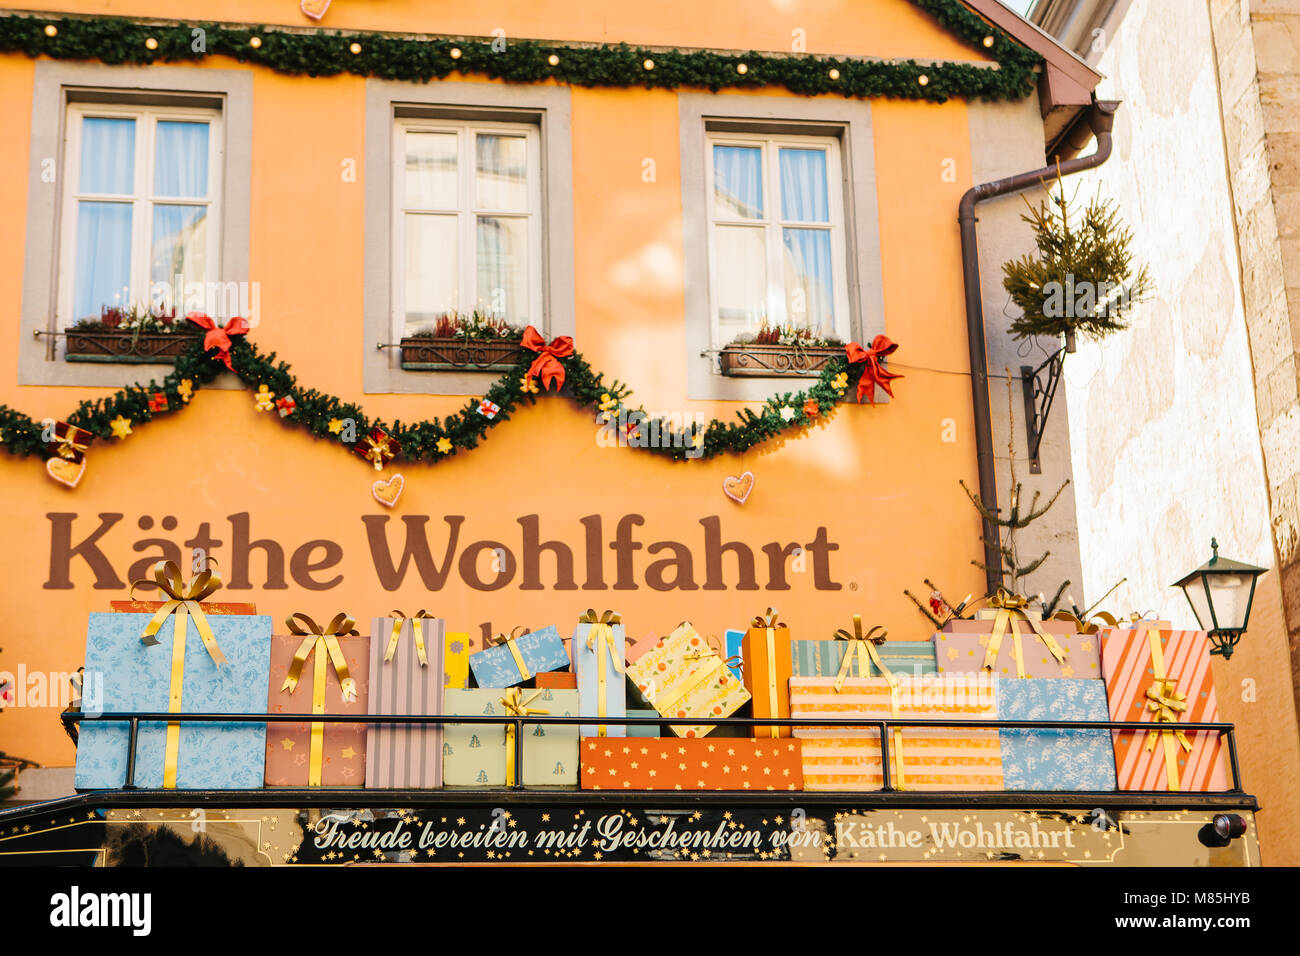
(776, 235)
(141, 206)
(467, 223)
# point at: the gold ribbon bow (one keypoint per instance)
(68, 445)
(1166, 702)
(182, 600)
(769, 621)
(862, 647)
(516, 706)
(324, 643)
(1010, 609)
(417, 632)
(508, 640)
(599, 637)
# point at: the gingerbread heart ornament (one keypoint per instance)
(387, 492)
(315, 8)
(64, 471)
(738, 488)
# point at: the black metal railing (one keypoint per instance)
(883, 726)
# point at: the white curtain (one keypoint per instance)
(803, 185)
(103, 263)
(181, 159)
(738, 182)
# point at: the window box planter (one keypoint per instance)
(741, 361)
(429, 354)
(122, 346)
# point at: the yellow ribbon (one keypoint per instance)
(600, 635)
(416, 630)
(768, 621)
(1010, 609)
(508, 640)
(516, 706)
(183, 601)
(862, 647)
(324, 642)
(712, 663)
(69, 447)
(1098, 621)
(1166, 703)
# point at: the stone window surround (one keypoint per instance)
(849, 121)
(55, 85)
(546, 106)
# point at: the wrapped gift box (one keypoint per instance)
(824, 658)
(405, 756)
(288, 746)
(672, 763)
(643, 730)
(765, 652)
(476, 755)
(940, 758)
(496, 666)
(455, 659)
(559, 680)
(152, 607)
(132, 676)
(735, 655)
(1131, 671)
(599, 652)
(681, 676)
(1055, 759)
(963, 653)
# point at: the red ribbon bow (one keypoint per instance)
(547, 365)
(874, 373)
(217, 337)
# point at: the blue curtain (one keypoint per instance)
(738, 181)
(808, 268)
(803, 185)
(181, 159)
(107, 156)
(103, 274)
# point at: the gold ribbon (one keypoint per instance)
(324, 642)
(768, 621)
(69, 447)
(183, 601)
(712, 663)
(516, 706)
(1166, 703)
(508, 640)
(600, 635)
(416, 630)
(1098, 621)
(1010, 609)
(862, 647)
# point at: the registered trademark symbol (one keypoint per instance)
(853, 585)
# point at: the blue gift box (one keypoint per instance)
(124, 674)
(541, 650)
(824, 658)
(1055, 759)
(588, 663)
(734, 655)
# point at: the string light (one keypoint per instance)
(834, 74)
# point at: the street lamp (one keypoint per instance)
(1220, 593)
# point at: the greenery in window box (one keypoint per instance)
(134, 320)
(474, 326)
(794, 336)
(1083, 279)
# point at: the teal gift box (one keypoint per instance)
(602, 654)
(476, 755)
(542, 650)
(124, 674)
(643, 730)
(824, 658)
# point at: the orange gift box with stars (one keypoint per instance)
(695, 763)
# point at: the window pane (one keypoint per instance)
(803, 185)
(181, 160)
(741, 272)
(103, 274)
(180, 244)
(431, 171)
(431, 267)
(108, 155)
(503, 268)
(738, 182)
(808, 297)
(501, 172)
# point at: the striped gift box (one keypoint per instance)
(823, 658)
(942, 758)
(405, 756)
(1129, 671)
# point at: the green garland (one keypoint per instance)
(328, 53)
(316, 411)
